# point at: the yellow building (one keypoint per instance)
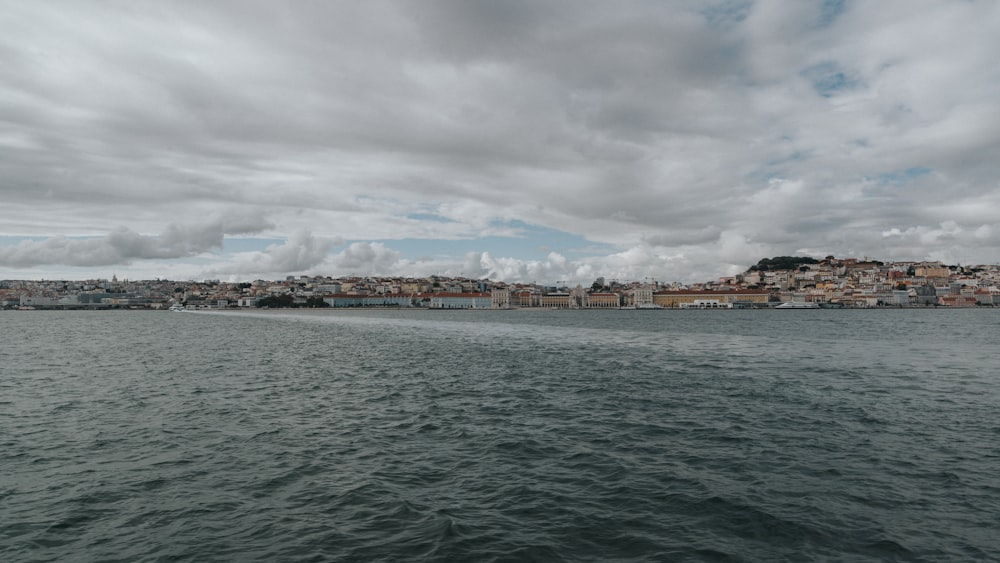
(555, 300)
(931, 272)
(523, 299)
(414, 287)
(603, 301)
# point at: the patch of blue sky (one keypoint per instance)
(247, 244)
(776, 169)
(796, 156)
(830, 10)
(890, 184)
(727, 13)
(430, 217)
(829, 79)
(900, 176)
(7, 240)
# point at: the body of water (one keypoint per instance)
(500, 436)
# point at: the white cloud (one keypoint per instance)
(122, 245)
(299, 254)
(367, 258)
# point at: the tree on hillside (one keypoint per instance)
(782, 263)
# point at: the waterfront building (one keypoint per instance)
(900, 297)
(579, 298)
(500, 298)
(736, 297)
(524, 298)
(356, 300)
(956, 301)
(453, 300)
(555, 300)
(643, 296)
(37, 301)
(985, 297)
(604, 301)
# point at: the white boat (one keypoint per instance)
(177, 308)
(797, 305)
(706, 304)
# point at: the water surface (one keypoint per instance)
(499, 435)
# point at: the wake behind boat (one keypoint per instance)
(797, 305)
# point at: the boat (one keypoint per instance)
(177, 308)
(797, 305)
(706, 304)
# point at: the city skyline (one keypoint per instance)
(510, 141)
(785, 281)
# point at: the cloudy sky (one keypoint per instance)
(524, 141)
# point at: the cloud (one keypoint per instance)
(122, 246)
(367, 258)
(482, 265)
(301, 253)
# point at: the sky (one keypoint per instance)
(524, 141)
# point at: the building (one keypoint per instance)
(385, 300)
(604, 301)
(956, 301)
(643, 296)
(524, 299)
(452, 300)
(555, 300)
(500, 298)
(735, 297)
(985, 297)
